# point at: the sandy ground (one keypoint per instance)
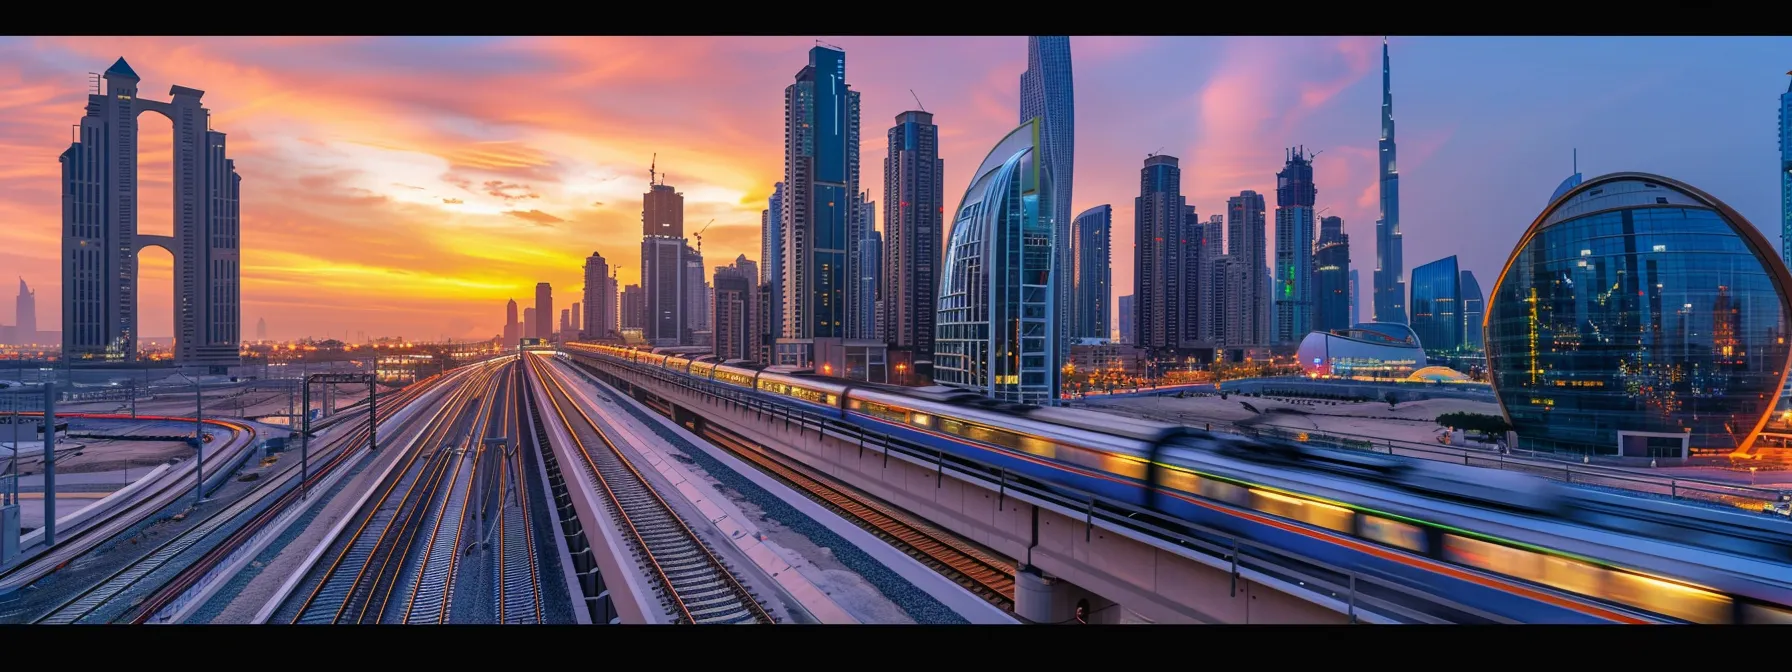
(1414, 421)
(31, 509)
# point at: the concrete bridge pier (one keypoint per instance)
(1048, 600)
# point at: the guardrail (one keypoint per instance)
(1342, 589)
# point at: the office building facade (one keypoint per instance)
(100, 241)
(544, 309)
(1247, 282)
(600, 299)
(821, 183)
(736, 290)
(914, 206)
(1048, 94)
(1091, 276)
(997, 324)
(1473, 312)
(1158, 214)
(1293, 284)
(1437, 306)
(665, 266)
(771, 273)
(1211, 300)
(513, 328)
(1332, 277)
(1127, 321)
(633, 305)
(867, 265)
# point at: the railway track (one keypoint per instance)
(518, 581)
(982, 573)
(695, 585)
(358, 585)
(85, 604)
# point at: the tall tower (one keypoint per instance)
(100, 239)
(1293, 283)
(513, 329)
(1786, 174)
(1092, 274)
(1047, 93)
(664, 272)
(600, 299)
(768, 327)
(914, 203)
(261, 329)
(25, 320)
(1158, 215)
(1390, 268)
(821, 183)
(1332, 277)
(543, 324)
(867, 265)
(1247, 287)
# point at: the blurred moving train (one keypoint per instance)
(1613, 550)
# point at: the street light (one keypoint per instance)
(198, 440)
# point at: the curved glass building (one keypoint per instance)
(1639, 314)
(1371, 350)
(996, 325)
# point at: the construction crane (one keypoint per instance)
(651, 174)
(699, 236)
(924, 107)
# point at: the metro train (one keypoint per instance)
(1438, 518)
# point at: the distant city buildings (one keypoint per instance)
(996, 331)
(575, 326)
(1211, 300)
(1158, 216)
(100, 241)
(24, 325)
(1128, 323)
(543, 322)
(1048, 94)
(1091, 275)
(1390, 269)
(1437, 307)
(529, 324)
(867, 252)
(600, 299)
(914, 205)
(1246, 275)
(1293, 289)
(771, 273)
(1356, 298)
(665, 267)
(736, 296)
(1334, 299)
(261, 329)
(1473, 311)
(1786, 175)
(513, 328)
(633, 308)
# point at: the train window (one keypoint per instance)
(877, 410)
(1306, 511)
(1754, 614)
(1669, 599)
(1121, 465)
(922, 420)
(1044, 448)
(1493, 557)
(1224, 492)
(1177, 479)
(734, 377)
(1393, 533)
(1572, 576)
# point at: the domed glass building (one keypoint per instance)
(1639, 315)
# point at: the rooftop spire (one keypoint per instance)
(122, 69)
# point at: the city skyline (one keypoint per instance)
(340, 189)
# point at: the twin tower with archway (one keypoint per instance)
(100, 242)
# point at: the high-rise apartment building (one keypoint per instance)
(821, 183)
(1356, 298)
(1473, 312)
(1293, 283)
(1211, 293)
(696, 293)
(572, 330)
(633, 308)
(1437, 306)
(513, 329)
(1158, 214)
(544, 309)
(565, 323)
(1048, 94)
(1247, 285)
(997, 323)
(736, 297)
(1190, 280)
(261, 329)
(867, 265)
(600, 299)
(100, 241)
(1332, 277)
(24, 329)
(529, 324)
(769, 326)
(1390, 265)
(1091, 275)
(914, 205)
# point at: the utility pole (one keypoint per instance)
(198, 443)
(49, 464)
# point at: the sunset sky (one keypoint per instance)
(408, 186)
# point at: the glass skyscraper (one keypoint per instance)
(1390, 257)
(1473, 312)
(1437, 306)
(1293, 283)
(1331, 277)
(1786, 175)
(1641, 315)
(1048, 94)
(821, 188)
(1091, 274)
(1158, 213)
(996, 311)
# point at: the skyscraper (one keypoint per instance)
(1211, 301)
(1437, 306)
(1048, 93)
(664, 272)
(1091, 276)
(634, 308)
(695, 301)
(1189, 283)
(529, 324)
(867, 265)
(1127, 322)
(574, 327)
(1786, 175)
(821, 181)
(513, 329)
(600, 298)
(1247, 286)
(1390, 268)
(544, 310)
(771, 252)
(1295, 196)
(100, 241)
(736, 289)
(261, 329)
(914, 202)
(565, 322)
(1332, 277)
(1473, 312)
(1158, 214)
(24, 330)
(996, 322)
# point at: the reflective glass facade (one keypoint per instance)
(1437, 306)
(1370, 351)
(1638, 304)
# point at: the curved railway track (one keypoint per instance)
(695, 585)
(977, 571)
(359, 584)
